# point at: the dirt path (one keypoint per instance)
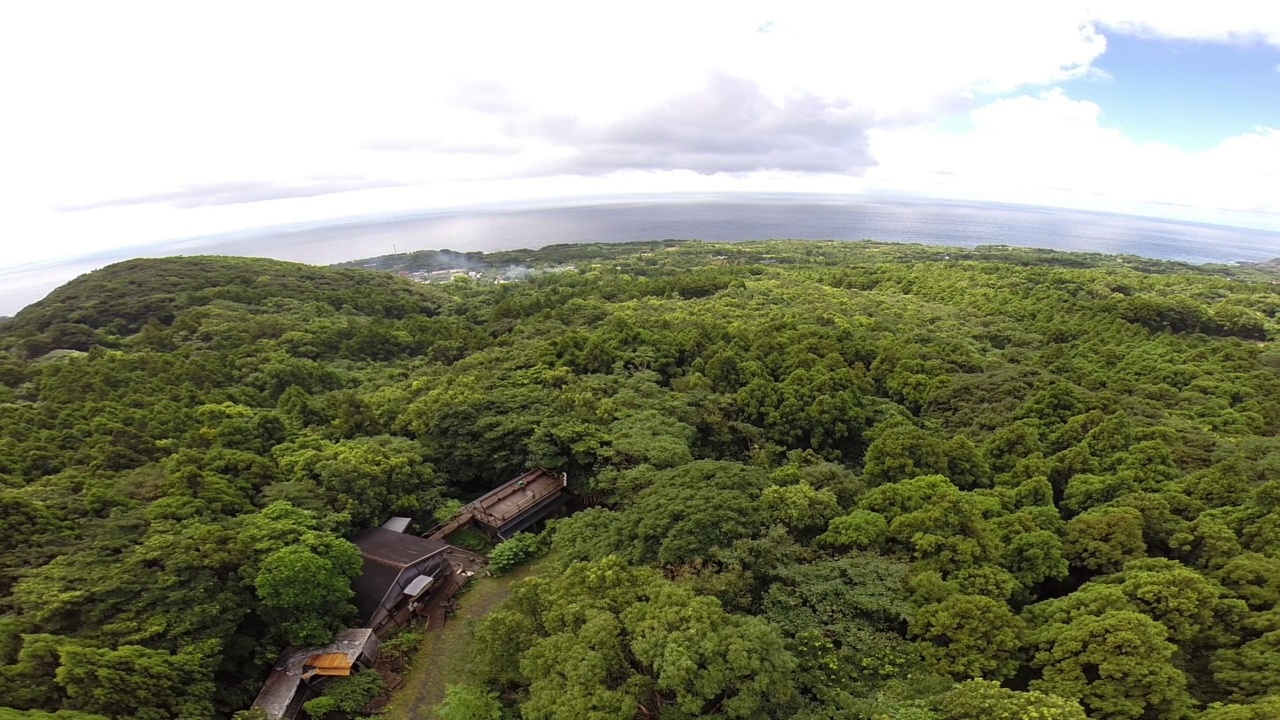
(445, 653)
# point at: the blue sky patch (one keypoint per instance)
(1188, 94)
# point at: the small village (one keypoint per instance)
(407, 579)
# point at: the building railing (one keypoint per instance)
(475, 510)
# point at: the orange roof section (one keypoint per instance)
(331, 661)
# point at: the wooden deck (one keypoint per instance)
(510, 506)
(509, 500)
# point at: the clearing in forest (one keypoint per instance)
(446, 652)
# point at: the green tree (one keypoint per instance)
(134, 682)
(142, 475)
(966, 467)
(573, 635)
(1010, 444)
(690, 511)
(520, 548)
(986, 700)
(987, 580)
(1226, 483)
(1035, 557)
(861, 529)
(1254, 578)
(842, 618)
(1085, 492)
(649, 437)
(369, 479)
(1111, 438)
(1159, 521)
(1054, 405)
(305, 594)
(1104, 539)
(1208, 541)
(970, 636)
(1264, 709)
(1188, 604)
(29, 682)
(1118, 665)
(950, 533)
(446, 511)
(9, 714)
(800, 507)
(903, 452)
(1250, 671)
(894, 499)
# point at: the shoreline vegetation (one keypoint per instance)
(825, 480)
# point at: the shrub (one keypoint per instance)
(346, 695)
(469, 702)
(520, 548)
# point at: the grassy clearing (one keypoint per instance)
(445, 655)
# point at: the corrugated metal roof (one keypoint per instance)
(286, 678)
(277, 693)
(420, 583)
(397, 524)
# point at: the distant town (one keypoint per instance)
(442, 266)
(495, 276)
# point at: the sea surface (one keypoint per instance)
(731, 218)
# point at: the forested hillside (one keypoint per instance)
(830, 480)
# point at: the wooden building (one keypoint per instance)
(299, 673)
(512, 506)
(400, 572)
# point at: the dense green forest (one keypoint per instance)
(828, 480)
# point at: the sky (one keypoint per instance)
(129, 123)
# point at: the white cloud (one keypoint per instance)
(1050, 149)
(284, 112)
(1222, 20)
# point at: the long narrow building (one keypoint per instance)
(512, 506)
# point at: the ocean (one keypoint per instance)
(732, 218)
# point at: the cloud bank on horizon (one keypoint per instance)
(130, 123)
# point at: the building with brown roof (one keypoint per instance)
(511, 507)
(399, 573)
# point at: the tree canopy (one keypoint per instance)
(825, 480)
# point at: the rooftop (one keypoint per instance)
(397, 524)
(386, 553)
(394, 548)
(511, 498)
(296, 665)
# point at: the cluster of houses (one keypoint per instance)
(428, 276)
(402, 578)
(496, 275)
